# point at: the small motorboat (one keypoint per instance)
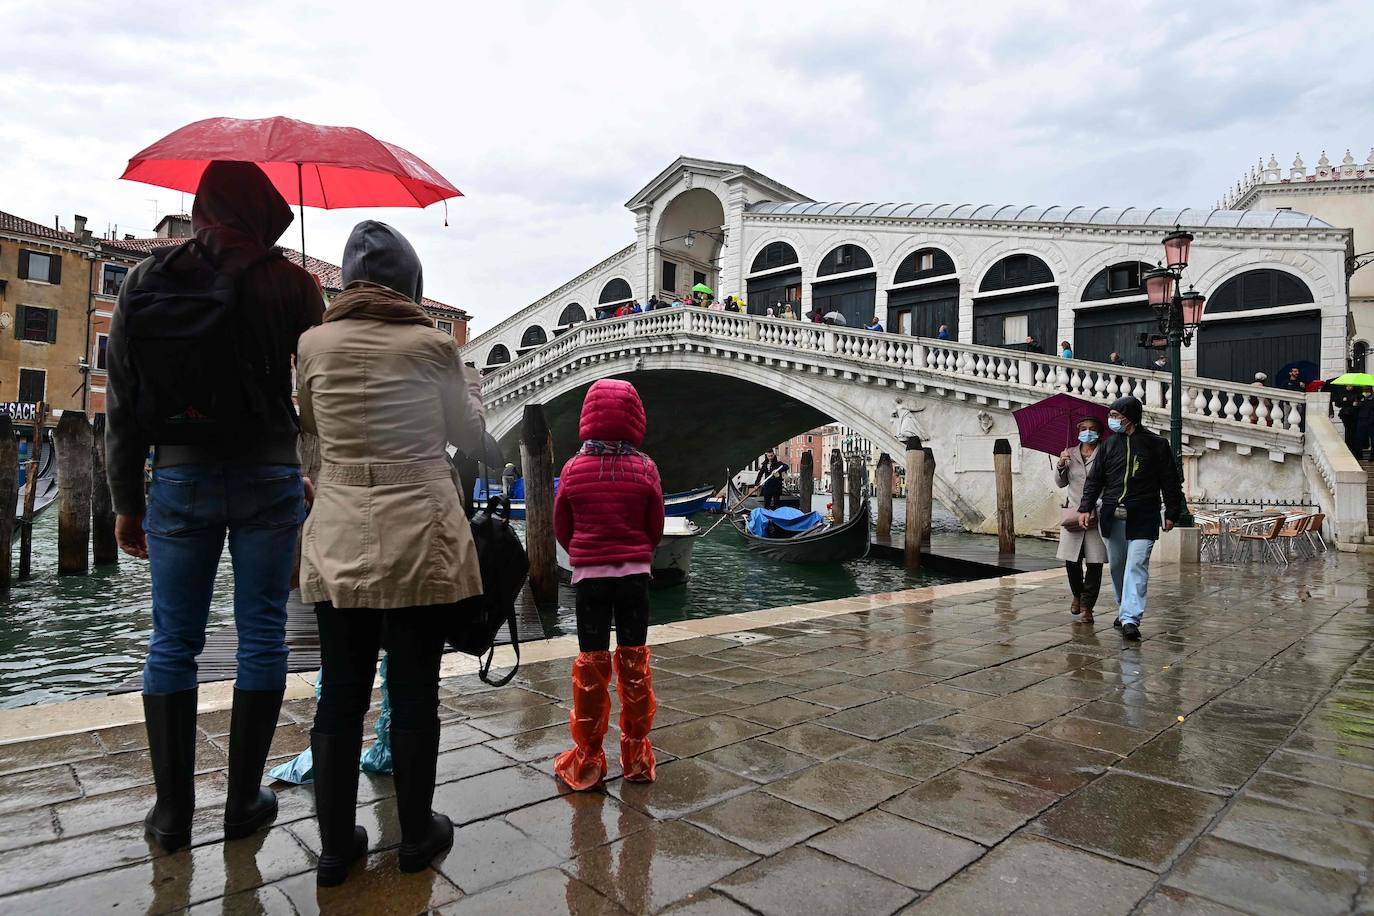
(812, 540)
(675, 505)
(46, 494)
(672, 562)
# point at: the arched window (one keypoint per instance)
(534, 336)
(498, 355)
(923, 264)
(1116, 281)
(571, 315)
(777, 254)
(615, 291)
(1015, 271)
(1359, 355)
(844, 259)
(1259, 289)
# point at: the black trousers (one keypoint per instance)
(771, 500)
(1084, 587)
(624, 599)
(349, 640)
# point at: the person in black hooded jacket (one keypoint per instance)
(1134, 472)
(247, 488)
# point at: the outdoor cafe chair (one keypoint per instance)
(1212, 534)
(1262, 534)
(1313, 534)
(1291, 534)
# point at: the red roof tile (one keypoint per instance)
(11, 223)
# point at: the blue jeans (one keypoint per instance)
(190, 509)
(1130, 561)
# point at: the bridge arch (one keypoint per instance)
(497, 356)
(572, 314)
(924, 293)
(1017, 300)
(688, 234)
(533, 337)
(846, 281)
(1259, 320)
(775, 278)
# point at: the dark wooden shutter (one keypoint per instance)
(52, 325)
(55, 267)
(19, 317)
(23, 264)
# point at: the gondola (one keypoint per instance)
(833, 544)
(734, 499)
(46, 493)
(675, 505)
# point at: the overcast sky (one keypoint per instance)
(550, 116)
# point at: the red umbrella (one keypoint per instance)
(1051, 425)
(310, 164)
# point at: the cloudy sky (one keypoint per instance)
(549, 116)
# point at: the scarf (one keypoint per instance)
(368, 300)
(608, 447)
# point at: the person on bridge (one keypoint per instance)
(874, 325)
(1130, 475)
(1114, 358)
(1079, 545)
(943, 333)
(238, 477)
(387, 552)
(1065, 349)
(769, 478)
(608, 515)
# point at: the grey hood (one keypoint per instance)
(238, 215)
(379, 254)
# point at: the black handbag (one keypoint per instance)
(504, 566)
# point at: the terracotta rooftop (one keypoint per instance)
(11, 223)
(331, 275)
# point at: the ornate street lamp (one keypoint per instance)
(1179, 314)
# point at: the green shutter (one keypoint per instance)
(55, 267)
(23, 264)
(19, 321)
(52, 325)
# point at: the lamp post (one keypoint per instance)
(1180, 314)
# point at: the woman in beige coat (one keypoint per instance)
(1079, 547)
(386, 549)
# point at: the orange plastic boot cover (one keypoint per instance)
(585, 765)
(635, 684)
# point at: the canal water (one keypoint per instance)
(71, 636)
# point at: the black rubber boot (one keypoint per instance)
(171, 722)
(250, 806)
(342, 842)
(424, 834)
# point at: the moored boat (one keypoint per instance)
(46, 493)
(675, 505)
(822, 544)
(672, 562)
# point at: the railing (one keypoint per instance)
(1338, 482)
(1267, 417)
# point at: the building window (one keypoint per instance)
(927, 261)
(445, 326)
(1015, 329)
(1123, 278)
(1016, 269)
(33, 385)
(776, 254)
(36, 324)
(102, 345)
(670, 276)
(698, 277)
(43, 268)
(112, 278)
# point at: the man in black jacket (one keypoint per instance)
(770, 477)
(1133, 472)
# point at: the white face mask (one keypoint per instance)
(1115, 424)
(1087, 436)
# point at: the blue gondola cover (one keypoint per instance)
(784, 517)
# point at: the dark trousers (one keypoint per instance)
(624, 599)
(1084, 587)
(1364, 432)
(349, 640)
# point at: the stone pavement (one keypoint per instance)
(959, 749)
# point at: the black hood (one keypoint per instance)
(379, 254)
(238, 214)
(1130, 408)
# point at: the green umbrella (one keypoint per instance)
(1354, 379)
(703, 288)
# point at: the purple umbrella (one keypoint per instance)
(1051, 425)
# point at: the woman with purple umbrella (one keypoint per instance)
(1079, 546)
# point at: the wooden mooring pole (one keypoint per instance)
(806, 480)
(103, 548)
(928, 493)
(855, 486)
(883, 485)
(917, 509)
(9, 495)
(31, 491)
(836, 486)
(73, 442)
(536, 458)
(1006, 518)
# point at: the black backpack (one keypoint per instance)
(505, 566)
(201, 374)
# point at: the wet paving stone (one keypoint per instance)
(760, 822)
(128, 806)
(492, 702)
(492, 852)
(1116, 739)
(1245, 723)
(31, 788)
(1141, 717)
(907, 757)
(1043, 763)
(573, 823)
(547, 891)
(378, 818)
(884, 718)
(841, 696)
(742, 674)
(648, 870)
(1324, 725)
(977, 807)
(1025, 708)
(966, 734)
(27, 828)
(704, 704)
(497, 792)
(945, 695)
(1170, 901)
(996, 681)
(540, 744)
(1032, 875)
(1136, 820)
(839, 789)
(468, 761)
(802, 880)
(134, 768)
(681, 787)
(1193, 758)
(782, 712)
(1254, 881)
(705, 734)
(757, 760)
(376, 886)
(899, 850)
(753, 694)
(1306, 796)
(813, 740)
(1305, 836)
(940, 667)
(1357, 780)
(505, 724)
(1335, 750)
(46, 752)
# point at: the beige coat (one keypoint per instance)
(1088, 543)
(387, 529)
